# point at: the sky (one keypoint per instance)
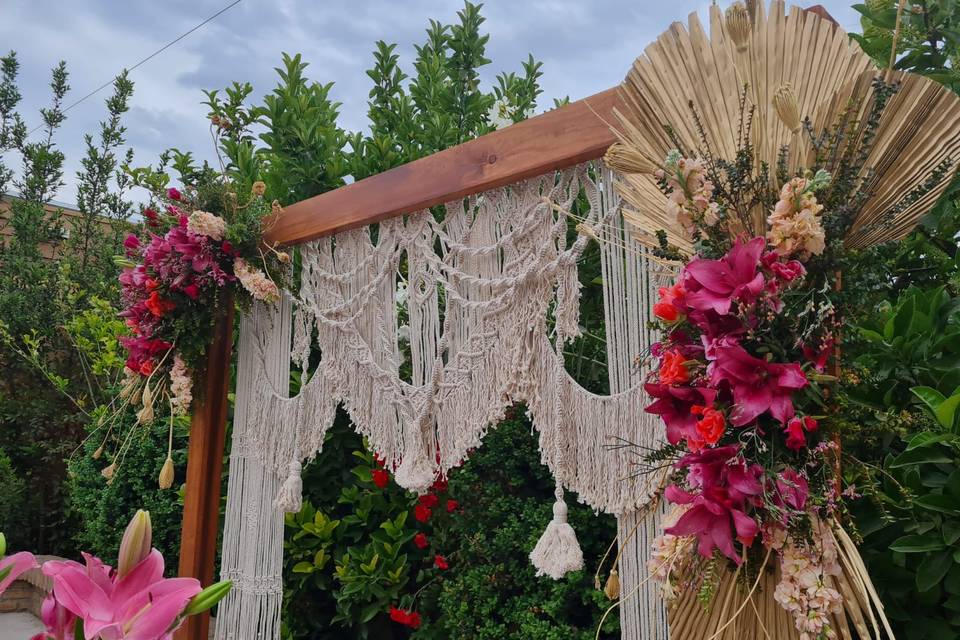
(586, 46)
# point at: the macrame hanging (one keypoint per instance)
(480, 285)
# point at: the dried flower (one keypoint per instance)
(738, 25)
(181, 387)
(785, 103)
(255, 281)
(259, 188)
(624, 158)
(795, 226)
(165, 480)
(206, 224)
(108, 471)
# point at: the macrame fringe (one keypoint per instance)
(557, 552)
(415, 474)
(290, 497)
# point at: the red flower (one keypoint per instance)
(173, 194)
(227, 248)
(157, 305)
(440, 562)
(377, 460)
(380, 478)
(440, 484)
(672, 368)
(192, 290)
(146, 368)
(422, 513)
(406, 618)
(710, 428)
(796, 438)
(667, 308)
(421, 541)
(452, 505)
(150, 214)
(429, 500)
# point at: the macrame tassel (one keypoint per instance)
(612, 588)
(557, 552)
(415, 474)
(290, 497)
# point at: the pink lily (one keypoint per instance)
(715, 284)
(142, 605)
(57, 619)
(18, 563)
(757, 385)
(673, 406)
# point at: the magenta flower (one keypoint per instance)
(757, 385)
(715, 284)
(727, 486)
(18, 564)
(793, 489)
(673, 406)
(59, 622)
(142, 605)
(173, 194)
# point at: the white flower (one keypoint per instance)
(255, 281)
(403, 333)
(181, 387)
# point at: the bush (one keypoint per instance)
(101, 508)
(11, 497)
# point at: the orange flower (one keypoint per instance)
(157, 305)
(672, 368)
(711, 426)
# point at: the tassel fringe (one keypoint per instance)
(290, 497)
(557, 552)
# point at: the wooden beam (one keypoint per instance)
(557, 139)
(201, 502)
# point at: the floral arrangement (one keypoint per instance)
(741, 375)
(197, 249)
(93, 601)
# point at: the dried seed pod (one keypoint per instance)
(785, 103)
(165, 479)
(738, 25)
(612, 588)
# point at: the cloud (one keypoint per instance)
(586, 46)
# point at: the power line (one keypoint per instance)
(147, 59)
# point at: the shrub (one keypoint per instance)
(11, 496)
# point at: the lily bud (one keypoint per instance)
(625, 159)
(136, 543)
(3, 545)
(785, 102)
(208, 597)
(166, 474)
(738, 25)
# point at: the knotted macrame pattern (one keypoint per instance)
(487, 296)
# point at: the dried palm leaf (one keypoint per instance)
(685, 90)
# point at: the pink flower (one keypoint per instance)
(715, 284)
(673, 405)
(726, 487)
(142, 604)
(192, 291)
(788, 271)
(796, 439)
(131, 243)
(57, 619)
(173, 194)
(757, 385)
(793, 489)
(18, 564)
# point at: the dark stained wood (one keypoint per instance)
(201, 504)
(554, 140)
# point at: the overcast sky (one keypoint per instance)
(586, 46)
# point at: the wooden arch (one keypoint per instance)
(555, 140)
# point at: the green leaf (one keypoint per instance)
(927, 455)
(932, 570)
(926, 438)
(929, 396)
(370, 611)
(951, 532)
(303, 567)
(916, 544)
(938, 502)
(946, 413)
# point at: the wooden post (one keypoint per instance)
(201, 503)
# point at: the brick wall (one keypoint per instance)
(28, 591)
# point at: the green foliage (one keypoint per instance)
(99, 507)
(929, 39)
(491, 591)
(11, 496)
(910, 521)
